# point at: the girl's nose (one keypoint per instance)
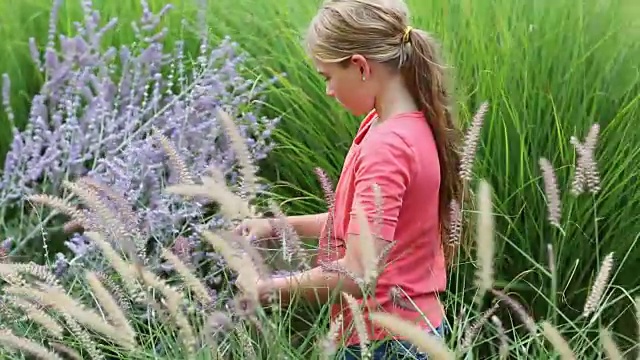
(329, 91)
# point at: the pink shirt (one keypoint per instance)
(400, 156)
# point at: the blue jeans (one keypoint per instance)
(388, 349)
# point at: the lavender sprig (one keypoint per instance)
(96, 111)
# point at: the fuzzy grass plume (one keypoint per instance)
(587, 176)
(552, 192)
(599, 286)
(485, 240)
(427, 343)
(558, 341)
(472, 138)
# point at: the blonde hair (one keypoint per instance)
(379, 31)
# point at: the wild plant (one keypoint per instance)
(97, 107)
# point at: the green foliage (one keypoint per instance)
(548, 68)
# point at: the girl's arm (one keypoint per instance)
(321, 285)
(313, 285)
(308, 225)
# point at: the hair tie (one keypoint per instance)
(407, 32)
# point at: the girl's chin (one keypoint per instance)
(361, 113)
(357, 112)
(354, 110)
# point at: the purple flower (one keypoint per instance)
(5, 247)
(95, 113)
(78, 244)
(60, 265)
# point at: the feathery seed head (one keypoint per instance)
(485, 240)
(586, 176)
(471, 140)
(552, 192)
(599, 286)
(557, 340)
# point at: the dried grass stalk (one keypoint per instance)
(62, 302)
(248, 275)
(106, 300)
(39, 316)
(552, 192)
(177, 164)
(360, 325)
(609, 345)
(192, 281)
(25, 345)
(599, 286)
(432, 345)
(232, 205)
(328, 345)
(485, 241)
(471, 140)
(557, 340)
(67, 351)
(238, 144)
(369, 258)
(502, 336)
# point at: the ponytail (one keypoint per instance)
(424, 75)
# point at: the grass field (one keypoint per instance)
(549, 70)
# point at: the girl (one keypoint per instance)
(375, 64)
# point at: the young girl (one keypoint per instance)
(375, 64)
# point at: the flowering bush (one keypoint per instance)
(98, 109)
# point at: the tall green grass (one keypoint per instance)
(549, 69)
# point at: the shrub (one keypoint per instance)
(98, 106)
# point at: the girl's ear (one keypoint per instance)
(362, 63)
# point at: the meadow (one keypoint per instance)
(101, 125)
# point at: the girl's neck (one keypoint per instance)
(394, 100)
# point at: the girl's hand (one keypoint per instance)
(255, 229)
(266, 291)
(273, 289)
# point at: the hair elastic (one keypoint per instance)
(407, 32)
